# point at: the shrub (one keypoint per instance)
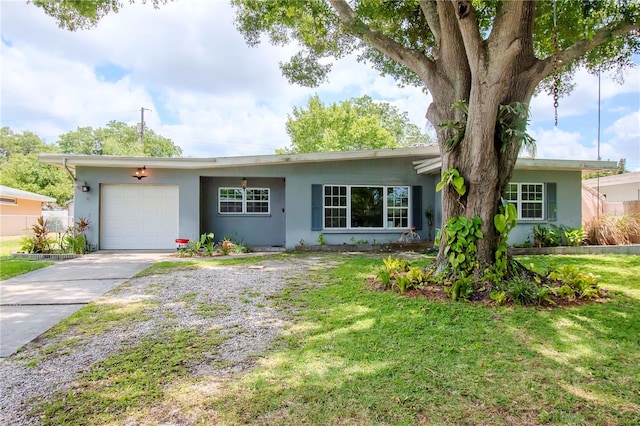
(612, 230)
(574, 236)
(226, 246)
(547, 236)
(522, 291)
(461, 289)
(38, 241)
(398, 273)
(75, 240)
(576, 283)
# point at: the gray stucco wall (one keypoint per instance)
(291, 187)
(297, 198)
(251, 229)
(87, 204)
(198, 197)
(568, 200)
(386, 172)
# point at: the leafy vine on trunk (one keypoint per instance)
(460, 234)
(511, 127)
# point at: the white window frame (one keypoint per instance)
(244, 201)
(519, 202)
(260, 201)
(385, 208)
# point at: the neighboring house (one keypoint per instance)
(621, 192)
(19, 210)
(283, 200)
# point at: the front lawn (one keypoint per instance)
(10, 244)
(357, 356)
(10, 267)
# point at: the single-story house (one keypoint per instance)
(19, 210)
(621, 193)
(286, 199)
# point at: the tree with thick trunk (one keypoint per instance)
(487, 55)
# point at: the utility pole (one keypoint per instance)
(141, 124)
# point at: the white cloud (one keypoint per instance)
(624, 138)
(584, 98)
(560, 144)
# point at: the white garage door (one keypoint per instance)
(138, 216)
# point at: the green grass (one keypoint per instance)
(360, 357)
(10, 267)
(131, 381)
(357, 356)
(96, 318)
(10, 244)
(619, 273)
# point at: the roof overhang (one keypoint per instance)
(7, 191)
(72, 161)
(433, 166)
(621, 179)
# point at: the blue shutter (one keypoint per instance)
(416, 206)
(316, 207)
(552, 204)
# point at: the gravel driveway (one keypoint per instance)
(246, 318)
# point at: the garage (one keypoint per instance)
(138, 217)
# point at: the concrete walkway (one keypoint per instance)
(32, 303)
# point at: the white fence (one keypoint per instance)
(57, 222)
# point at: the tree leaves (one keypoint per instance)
(117, 138)
(357, 123)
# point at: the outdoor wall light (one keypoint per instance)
(140, 173)
(244, 183)
(85, 188)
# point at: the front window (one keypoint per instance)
(398, 207)
(239, 201)
(366, 206)
(335, 206)
(257, 201)
(230, 200)
(528, 199)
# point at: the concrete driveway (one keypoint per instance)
(32, 303)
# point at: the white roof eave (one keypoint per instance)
(7, 191)
(433, 166)
(73, 161)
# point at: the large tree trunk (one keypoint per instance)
(495, 75)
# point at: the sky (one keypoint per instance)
(212, 95)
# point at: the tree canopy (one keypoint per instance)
(20, 168)
(357, 123)
(117, 138)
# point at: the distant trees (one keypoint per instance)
(20, 168)
(622, 168)
(117, 138)
(357, 123)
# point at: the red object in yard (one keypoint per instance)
(182, 243)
